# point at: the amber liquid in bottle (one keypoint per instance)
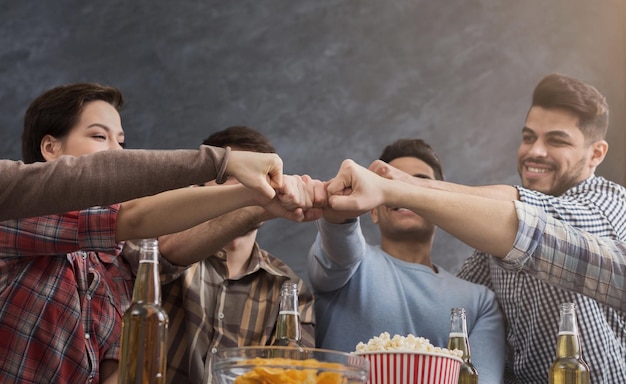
(468, 374)
(143, 356)
(568, 367)
(288, 332)
(288, 322)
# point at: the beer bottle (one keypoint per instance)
(288, 332)
(468, 374)
(569, 367)
(143, 355)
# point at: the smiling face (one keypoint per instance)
(99, 128)
(396, 223)
(553, 155)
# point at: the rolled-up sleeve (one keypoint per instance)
(568, 257)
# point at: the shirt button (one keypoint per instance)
(213, 350)
(87, 336)
(220, 315)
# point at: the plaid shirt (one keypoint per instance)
(568, 257)
(208, 311)
(531, 305)
(60, 312)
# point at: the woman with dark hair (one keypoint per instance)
(60, 312)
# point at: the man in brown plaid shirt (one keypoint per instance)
(229, 295)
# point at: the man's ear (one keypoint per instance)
(598, 152)
(374, 215)
(50, 148)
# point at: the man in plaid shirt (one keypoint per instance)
(229, 295)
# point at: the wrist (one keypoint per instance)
(222, 175)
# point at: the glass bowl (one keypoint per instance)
(257, 365)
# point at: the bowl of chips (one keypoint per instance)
(288, 365)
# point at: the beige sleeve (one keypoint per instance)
(103, 178)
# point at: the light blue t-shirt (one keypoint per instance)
(361, 291)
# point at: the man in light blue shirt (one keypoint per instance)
(363, 290)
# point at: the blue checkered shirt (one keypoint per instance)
(530, 304)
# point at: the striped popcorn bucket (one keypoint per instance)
(412, 368)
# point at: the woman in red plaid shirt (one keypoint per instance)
(63, 289)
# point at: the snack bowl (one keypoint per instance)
(256, 365)
(409, 367)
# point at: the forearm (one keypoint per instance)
(496, 192)
(102, 178)
(335, 253)
(482, 223)
(174, 211)
(195, 244)
(342, 245)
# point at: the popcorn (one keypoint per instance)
(398, 343)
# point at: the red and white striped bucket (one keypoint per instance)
(412, 368)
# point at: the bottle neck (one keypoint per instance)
(288, 322)
(289, 301)
(147, 287)
(568, 340)
(458, 333)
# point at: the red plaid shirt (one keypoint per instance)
(61, 310)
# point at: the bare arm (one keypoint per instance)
(187, 247)
(294, 201)
(177, 210)
(482, 223)
(498, 192)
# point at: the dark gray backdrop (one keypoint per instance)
(324, 80)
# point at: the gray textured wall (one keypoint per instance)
(324, 80)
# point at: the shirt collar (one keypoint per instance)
(259, 260)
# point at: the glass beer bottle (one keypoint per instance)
(288, 332)
(143, 355)
(468, 374)
(569, 367)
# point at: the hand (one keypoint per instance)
(262, 172)
(298, 199)
(355, 189)
(390, 172)
(336, 216)
(319, 198)
(300, 192)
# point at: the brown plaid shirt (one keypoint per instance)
(207, 311)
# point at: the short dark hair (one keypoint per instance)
(245, 138)
(56, 111)
(417, 148)
(577, 97)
